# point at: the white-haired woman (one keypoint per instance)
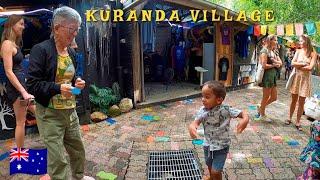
(52, 77)
(303, 61)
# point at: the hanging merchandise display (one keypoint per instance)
(223, 67)
(242, 40)
(225, 34)
(98, 40)
(99, 33)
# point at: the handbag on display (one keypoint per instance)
(290, 80)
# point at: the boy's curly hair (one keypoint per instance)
(217, 88)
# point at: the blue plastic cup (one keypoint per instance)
(75, 91)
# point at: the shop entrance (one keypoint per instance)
(171, 51)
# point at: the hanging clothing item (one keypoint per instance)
(318, 27)
(242, 40)
(311, 29)
(149, 30)
(280, 30)
(225, 35)
(299, 29)
(148, 35)
(289, 30)
(257, 30)
(180, 60)
(250, 30)
(223, 68)
(264, 29)
(173, 56)
(271, 29)
(179, 34)
(180, 55)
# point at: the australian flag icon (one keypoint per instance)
(28, 161)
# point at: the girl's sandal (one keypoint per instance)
(299, 127)
(287, 122)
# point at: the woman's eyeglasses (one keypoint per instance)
(71, 30)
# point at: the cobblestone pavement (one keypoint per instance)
(122, 148)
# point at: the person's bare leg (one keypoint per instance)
(216, 175)
(266, 95)
(300, 109)
(45, 177)
(294, 99)
(273, 97)
(208, 177)
(20, 114)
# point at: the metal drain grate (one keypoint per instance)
(167, 165)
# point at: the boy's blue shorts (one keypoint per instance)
(215, 159)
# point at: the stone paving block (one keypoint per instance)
(243, 171)
(282, 173)
(230, 174)
(120, 164)
(262, 173)
(240, 164)
(136, 176)
(297, 171)
(246, 177)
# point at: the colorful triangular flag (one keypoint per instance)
(250, 30)
(299, 29)
(289, 30)
(311, 28)
(257, 31)
(271, 29)
(264, 29)
(280, 30)
(318, 27)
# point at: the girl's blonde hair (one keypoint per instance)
(309, 45)
(269, 39)
(8, 33)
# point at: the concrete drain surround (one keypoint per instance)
(169, 165)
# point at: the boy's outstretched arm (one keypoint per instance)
(193, 129)
(243, 122)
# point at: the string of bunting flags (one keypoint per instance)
(312, 28)
(291, 29)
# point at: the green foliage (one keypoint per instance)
(285, 11)
(102, 98)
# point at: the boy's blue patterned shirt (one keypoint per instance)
(216, 124)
